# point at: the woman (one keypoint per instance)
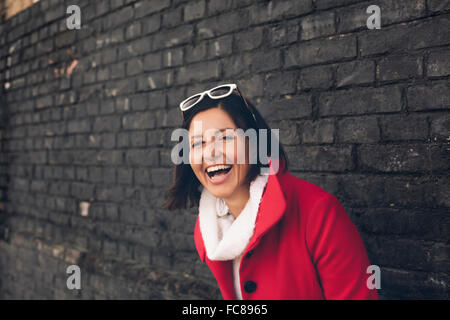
(263, 236)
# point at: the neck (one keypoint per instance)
(237, 201)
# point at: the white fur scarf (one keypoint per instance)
(226, 238)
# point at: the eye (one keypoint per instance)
(197, 144)
(227, 137)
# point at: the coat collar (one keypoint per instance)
(226, 238)
(271, 209)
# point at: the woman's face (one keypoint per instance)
(214, 153)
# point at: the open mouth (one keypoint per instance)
(218, 170)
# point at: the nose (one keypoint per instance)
(210, 153)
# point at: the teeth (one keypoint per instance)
(218, 167)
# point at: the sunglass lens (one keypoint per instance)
(189, 103)
(220, 91)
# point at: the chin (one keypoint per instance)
(220, 191)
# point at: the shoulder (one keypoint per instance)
(306, 193)
(310, 203)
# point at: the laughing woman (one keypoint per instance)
(263, 236)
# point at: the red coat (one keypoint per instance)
(304, 247)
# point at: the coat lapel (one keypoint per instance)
(271, 209)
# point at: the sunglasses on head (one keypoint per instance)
(218, 92)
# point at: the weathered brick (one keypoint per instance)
(172, 57)
(397, 68)
(361, 101)
(324, 4)
(134, 66)
(321, 24)
(117, 18)
(321, 50)
(355, 72)
(171, 37)
(172, 18)
(280, 83)
(394, 158)
(133, 31)
(264, 61)
(319, 131)
(100, 133)
(427, 97)
(438, 5)
(355, 17)
(106, 123)
(224, 23)
(438, 64)
(275, 10)
(250, 39)
(440, 127)
(221, 46)
(198, 72)
(290, 107)
(358, 129)
(151, 24)
(144, 8)
(197, 52)
(315, 77)
(406, 37)
(218, 6)
(139, 120)
(413, 127)
(320, 158)
(194, 10)
(251, 87)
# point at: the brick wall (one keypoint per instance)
(86, 117)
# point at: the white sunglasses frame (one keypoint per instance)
(232, 87)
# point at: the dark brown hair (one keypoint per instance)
(186, 185)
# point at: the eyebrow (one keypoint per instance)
(219, 130)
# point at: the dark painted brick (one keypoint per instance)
(433, 96)
(376, 138)
(355, 17)
(438, 64)
(397, 68)
(320, 158)
(324, 4)
(198, 72)
(194, 10)
(144, 8)
(315, 77)
(320, 131)
(140, 120)
(249, 40)
(197, 52)
(321, 24)
(406, 37)
(221, 46)
(404, 127)
(311, 52)
(438, 5)
(224, 23)
(355, 72)
(361, 101)
(264, 12)
(358, 130)
(440, 127)
(290, 107)
(280, 83)
(171, 37)
(395, 158)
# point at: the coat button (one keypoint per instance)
(249, 254)
(250, 286)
